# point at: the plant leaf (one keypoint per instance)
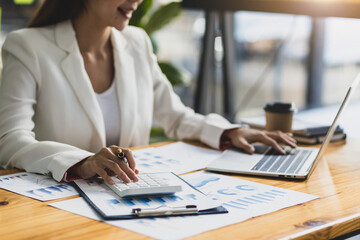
(157, 134)
(140, 13)
(162, 16)
(176, 76)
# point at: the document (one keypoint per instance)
(177, 157)
(243, 199)
(37, 186)
(111, 205)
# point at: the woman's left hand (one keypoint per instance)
(243, 137)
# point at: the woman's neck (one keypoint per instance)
(96, 49)
(92, 37)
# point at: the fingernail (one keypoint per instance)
(111, 182)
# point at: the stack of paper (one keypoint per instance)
(243, 199)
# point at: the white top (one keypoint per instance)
(109, 105)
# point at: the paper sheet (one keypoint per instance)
(177, 157)
(36, 186)
(112, 205)
(243, 199)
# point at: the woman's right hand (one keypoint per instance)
(106, 163)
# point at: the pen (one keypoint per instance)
(165, 210)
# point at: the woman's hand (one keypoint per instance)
(243, 137)
(106, 163)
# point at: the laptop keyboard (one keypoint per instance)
(290, 163)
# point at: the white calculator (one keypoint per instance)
(148, 184)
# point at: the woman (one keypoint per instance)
(80, 79)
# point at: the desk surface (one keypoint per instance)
(336, 180)
(319, 8)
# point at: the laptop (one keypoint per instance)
(298, 163)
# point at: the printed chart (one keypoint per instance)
(36, 186)
(249, 198)
(177, 157)
(148, 160)
(243, 199)
(112, 205)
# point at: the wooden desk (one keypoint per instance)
(336, 180)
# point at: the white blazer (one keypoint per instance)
(49, 115)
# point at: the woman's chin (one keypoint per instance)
(121, 26)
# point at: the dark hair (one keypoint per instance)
(54, 11)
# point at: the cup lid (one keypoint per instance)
(280, 107)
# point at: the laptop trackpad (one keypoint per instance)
(237, 160)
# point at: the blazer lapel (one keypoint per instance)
(126, 88)
(74, 69)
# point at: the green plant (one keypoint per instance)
(152, 20)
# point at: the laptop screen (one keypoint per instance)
(334, 123)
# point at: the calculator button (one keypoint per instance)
(148, 184)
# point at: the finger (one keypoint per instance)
(114, 166)
(290, 141)
(271, 142)
(130, 158)
(289, 136)
(110, 152)
(125, 164)
(102, 173)
(127, 152)
(283, 137)
(110, 172)
(121, 170)
(244, 144)
(129, 172)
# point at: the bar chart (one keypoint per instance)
(36, 186)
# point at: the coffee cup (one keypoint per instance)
(279, 116)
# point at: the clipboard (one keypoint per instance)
(106, 203)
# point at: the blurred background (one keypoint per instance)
(257, 38)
